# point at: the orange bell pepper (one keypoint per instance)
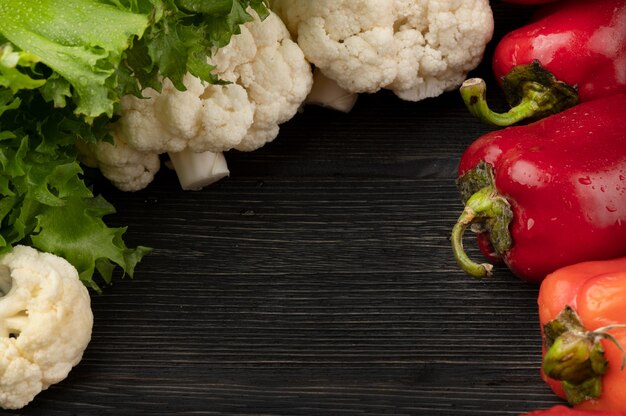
(566, 411)
(582, 310)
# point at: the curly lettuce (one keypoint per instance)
(98, 50)
(64, 65)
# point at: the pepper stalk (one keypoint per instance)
(485, 211)
(531, 90)
(575, 356)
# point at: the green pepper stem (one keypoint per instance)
(468, 265)
(474, 93)
(483, 206)
(532, 91)
(575, 356)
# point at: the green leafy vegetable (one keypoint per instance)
(44, 202)
(99, 50)
(82, 41)
(64, 66)
(183, 33)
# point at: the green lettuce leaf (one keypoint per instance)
(11, 65)
(181, 36)
(83, 41)
(96, 51)
(44, 200)
(92, 245)
(64, 66)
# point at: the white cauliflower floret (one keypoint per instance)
(277, 80)
(416, 48)
(45, 323)
(269, 80)
(127, 168)
(202, 118)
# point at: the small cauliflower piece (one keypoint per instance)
(45, 323)
(416, 48)
(269, 79)
(127, 168)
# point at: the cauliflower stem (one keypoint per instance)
(197, 170)
(327, 93)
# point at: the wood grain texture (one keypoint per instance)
(317, 280)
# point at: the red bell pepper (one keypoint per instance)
(550, 193)
(567, 411)
(573, 50)
(582, 311)
(528, 1)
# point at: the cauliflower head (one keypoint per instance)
(268, 77)
(416, 48)
(45, 323)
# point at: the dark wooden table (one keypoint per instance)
(317, 280)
